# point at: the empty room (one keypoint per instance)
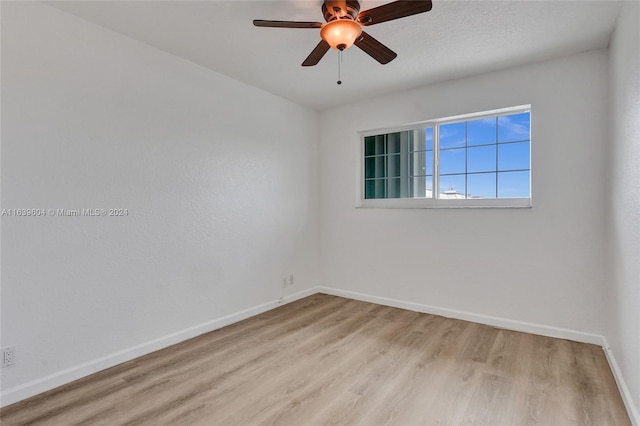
(320, 212)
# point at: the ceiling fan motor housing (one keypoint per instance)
(332, 12)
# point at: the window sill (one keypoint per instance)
(422, 203)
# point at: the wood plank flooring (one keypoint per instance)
(329, 360)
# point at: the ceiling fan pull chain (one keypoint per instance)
(339, 63)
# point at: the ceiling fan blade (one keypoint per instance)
(317, 54)
(393, 10)
(286, 24)
(375, 49)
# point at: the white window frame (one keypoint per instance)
(422, 203)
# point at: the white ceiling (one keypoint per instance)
(454, 39)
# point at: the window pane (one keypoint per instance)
(379, 166)
(393, 165)
(481, 159)
(421, 163)
(393, 190)
(369, 167)
(369, 189)
(421, 144)
(514, 156)
(482, 185)
(481, 132)
(420, 186)
(393, 142)
(375, 188)
(514, 127)
(452, 135)
(380, 145)
(514, 185)
(452, 187)
(369, 145)
(428, 140)
(452, 161)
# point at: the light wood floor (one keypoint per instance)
(328, 360)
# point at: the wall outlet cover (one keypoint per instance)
(8, 356)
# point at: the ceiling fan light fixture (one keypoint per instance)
(341, 33)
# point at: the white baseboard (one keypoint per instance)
(632, 410)
(509, 324)
(60, 378)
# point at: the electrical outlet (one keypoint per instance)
(280, 300)
(291, 279)
(284, 282)
(8, 356)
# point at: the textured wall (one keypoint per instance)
(219, 180)
(623, 289)
(543, 265)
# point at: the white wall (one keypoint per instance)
(623, 289)
(543, 265)
(219, 179)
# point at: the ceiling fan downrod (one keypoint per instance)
(339, 63)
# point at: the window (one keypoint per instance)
(476, 160)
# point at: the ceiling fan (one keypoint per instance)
(344, 26)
